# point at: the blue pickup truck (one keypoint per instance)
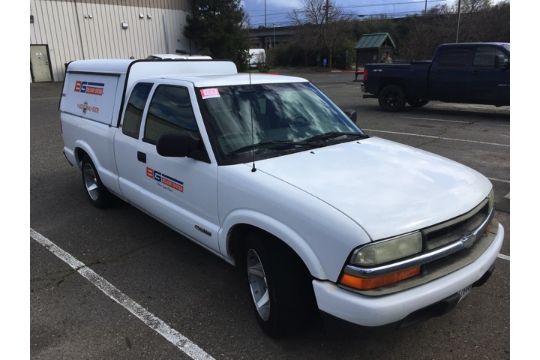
(477, 73)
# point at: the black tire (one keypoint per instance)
(98, 195)
(417, 102)
(291, 302)
(392, 98)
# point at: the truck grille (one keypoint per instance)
(452, 230)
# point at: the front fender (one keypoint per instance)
(277, 229)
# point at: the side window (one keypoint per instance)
(456, 58)
(134, 109)
(170, 112)
(489, 57)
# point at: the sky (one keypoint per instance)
(277, 10)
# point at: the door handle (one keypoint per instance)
(141, 157)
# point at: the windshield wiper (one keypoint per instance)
(287, 144)
(333, 135)
(273, 144)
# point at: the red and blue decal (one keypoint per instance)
(165, 180)
(86, 87)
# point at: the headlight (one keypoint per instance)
(491, 199)
(384, 251)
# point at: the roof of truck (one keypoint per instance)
(236, 79)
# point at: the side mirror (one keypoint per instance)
(351, 114)
(176, 145)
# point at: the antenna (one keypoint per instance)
(253, 168)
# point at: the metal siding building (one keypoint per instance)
(65, 30)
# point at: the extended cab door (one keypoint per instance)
(491, 75)
(451, 74)
(181, 192)
(126, 142)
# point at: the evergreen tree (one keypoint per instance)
(216, 27)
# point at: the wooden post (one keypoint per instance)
(356, 70)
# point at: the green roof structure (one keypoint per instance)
(374, 41)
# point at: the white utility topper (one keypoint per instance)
(268, 173)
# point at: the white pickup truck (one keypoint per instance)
(269, 174)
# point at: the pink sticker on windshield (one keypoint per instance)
(209, 93)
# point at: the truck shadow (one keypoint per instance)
(438, 109)
(441, 110)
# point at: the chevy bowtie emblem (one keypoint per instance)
(468, 240)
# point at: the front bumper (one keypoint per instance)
(382, 310)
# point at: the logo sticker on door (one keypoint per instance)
(165, 181)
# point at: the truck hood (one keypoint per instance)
(385, 187)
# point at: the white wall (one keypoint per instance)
(91, 29)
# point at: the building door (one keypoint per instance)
(40, 64)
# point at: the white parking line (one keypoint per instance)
(504, 257)
(433, 119)
(174, 337)
(439, 137)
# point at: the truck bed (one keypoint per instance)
(413, 77)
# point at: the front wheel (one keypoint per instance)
(280, 286)
(392, 98)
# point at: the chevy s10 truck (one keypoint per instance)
(477, 73)
(266, 172)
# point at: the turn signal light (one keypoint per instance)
(373, 282)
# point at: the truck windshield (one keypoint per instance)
(270, 119)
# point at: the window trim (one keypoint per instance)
(145, 108)
(149, 103)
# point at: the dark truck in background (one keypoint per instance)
(477, 73)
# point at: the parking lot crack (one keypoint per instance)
(120, 257)
(55, 279)
(52, 280)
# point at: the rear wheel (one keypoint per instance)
(392, 98)
(279, 284)
(417, 102)
(98, 195)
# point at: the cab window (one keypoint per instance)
(170, 111)
(490, 57)
(455, 58)
(134, 109)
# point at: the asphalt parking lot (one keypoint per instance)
(204, 298)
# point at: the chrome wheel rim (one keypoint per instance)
(258, 284)
(90, 181)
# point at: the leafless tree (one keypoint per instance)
(322, 22)
(471, 6)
